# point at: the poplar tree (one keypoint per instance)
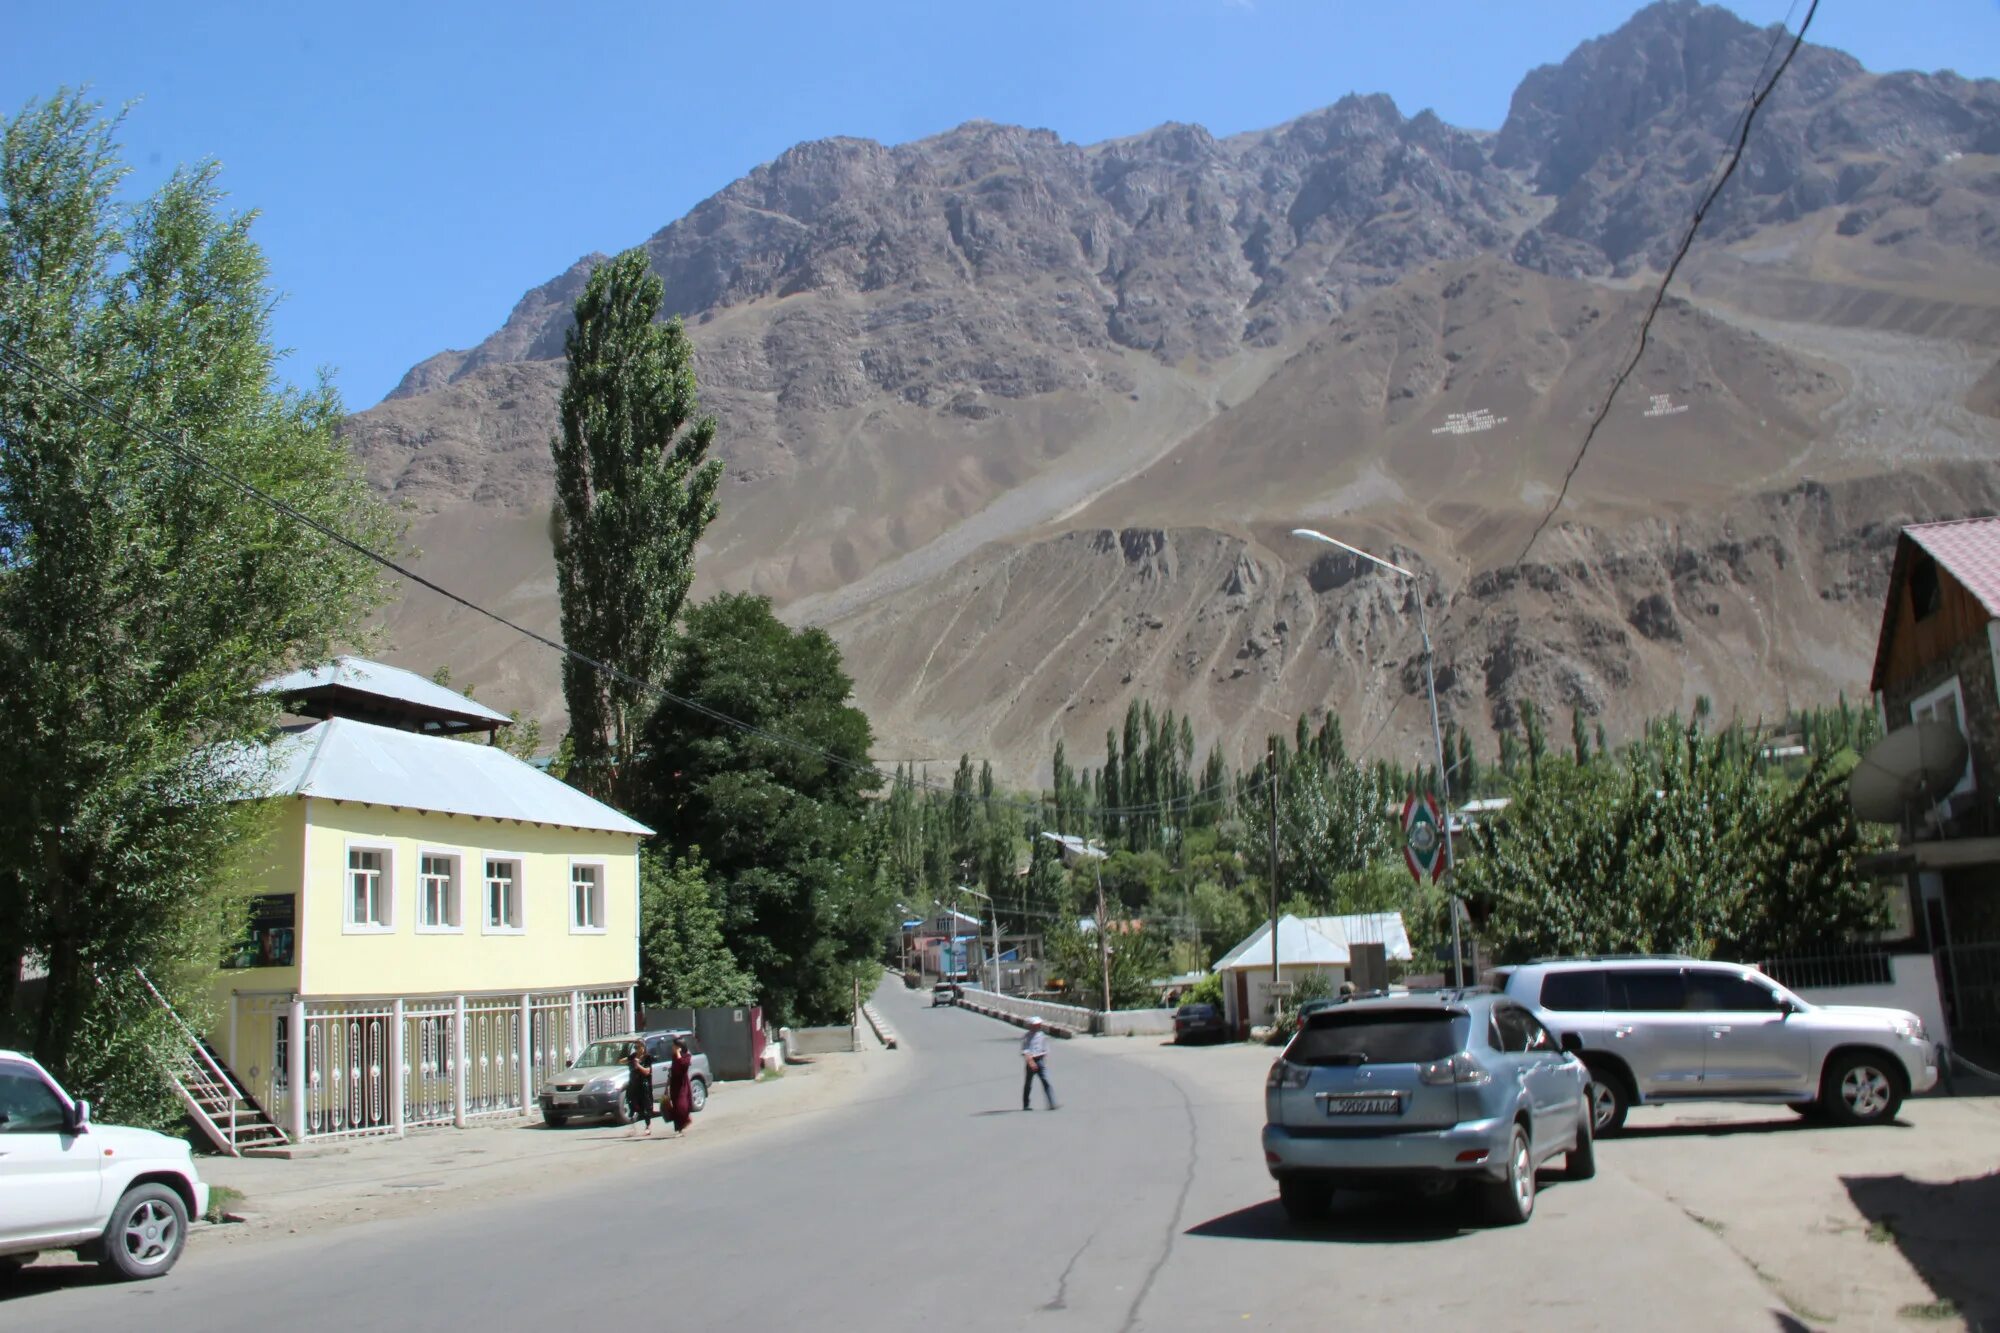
(635, 490)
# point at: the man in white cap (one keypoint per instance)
(1035, 1054)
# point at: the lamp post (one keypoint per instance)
(993, 918)
(1437, 734)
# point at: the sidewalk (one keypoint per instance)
(367, 1179)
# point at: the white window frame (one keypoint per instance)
(348, 924)
(1929, 700)
(520, 864)
(455, 917)
(576, 925)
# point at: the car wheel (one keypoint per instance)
(1305, 1200)
(1511, 1201)
(697, 1093)
(621, 1111)
(1860, 1089)
(1609, 1101)
(1580, 1163)
(554, 1119)
(145, 1234)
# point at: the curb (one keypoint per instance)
(883, 1032)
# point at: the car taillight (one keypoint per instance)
(1285, 1074)
(1460, 1068)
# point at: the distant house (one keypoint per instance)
(1317, 944)
(1938, 659)
(435, 925)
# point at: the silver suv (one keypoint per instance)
(1432, 1089)
(1680, 1029)
(594, 1084)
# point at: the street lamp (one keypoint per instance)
(993, 916)
(1437, 735)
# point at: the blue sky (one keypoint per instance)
(418, 166)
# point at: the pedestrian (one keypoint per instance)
(1035, 1054)
(639, 1087)
(679, 1103)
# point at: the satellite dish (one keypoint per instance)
(1909, 769)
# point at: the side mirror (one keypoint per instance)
(79, 1118)
(1786, 1008)
(1572, 1043)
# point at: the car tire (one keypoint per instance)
(1610, 1097)
(146, 1232)
(554, 1119)
(1580, 1162)
(697, 1093)
(1861, 1088)
(1511, 1201)
(1809, 1110)
(1305, 1200)
(621, 1113)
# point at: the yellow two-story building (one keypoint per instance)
(437, 925)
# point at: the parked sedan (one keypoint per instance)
(593, 1087)
(1430, 1090)
(1199, 1022)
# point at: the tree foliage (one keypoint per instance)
(684, 962)
(792, 869)
(142, 599)
(635, 490)
(1687, 844)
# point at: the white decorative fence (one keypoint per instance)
(381, 1066)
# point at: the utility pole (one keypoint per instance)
(1103, 938)
(1271, 762)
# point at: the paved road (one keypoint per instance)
(932, 1200)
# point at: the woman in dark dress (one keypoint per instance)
(680, 1098)
(639, 1088)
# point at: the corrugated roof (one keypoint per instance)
(382, 681)
(1970, 549)
(344, 760)
(1383, 928)
(1319, 941)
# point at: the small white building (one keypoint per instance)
(1314, 944)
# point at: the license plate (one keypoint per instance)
(1373, 1105)
(564, 1098)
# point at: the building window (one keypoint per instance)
(368, 889)
(269, 934)
(1926, 590)
(437, 892)
(1947, 705)
(503, 895)
(586, 898)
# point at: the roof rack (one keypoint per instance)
(1615, 958)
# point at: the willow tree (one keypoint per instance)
(635, 490)
(142, 596)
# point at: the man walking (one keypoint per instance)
(1035, 1054)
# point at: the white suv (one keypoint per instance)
(1683, 1029)
(120, 1196)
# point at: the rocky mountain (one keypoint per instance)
(1023, 422)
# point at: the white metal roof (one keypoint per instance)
(382, 681)
(344, 760)
(1320, 941)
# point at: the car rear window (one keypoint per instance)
(1379, 1037)
(1197, 1011)
(1573, 992)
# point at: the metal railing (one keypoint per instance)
(1972, 979)
(1868, 966)
(493, 1056)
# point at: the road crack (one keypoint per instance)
(1180, 1206)
(1060, 1301)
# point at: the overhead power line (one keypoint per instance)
(1760, 91)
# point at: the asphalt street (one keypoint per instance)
(932, 1200)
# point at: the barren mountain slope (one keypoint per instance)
(943, 368)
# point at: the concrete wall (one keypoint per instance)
(820, 1041)
(1066, 1018)
(1135, 1023)
(1913, 985)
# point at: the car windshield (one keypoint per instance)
(1379, 1037)
(602, 1054)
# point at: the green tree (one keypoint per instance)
(142, 599)
(683, 961)
(781, 821)
(635, 490)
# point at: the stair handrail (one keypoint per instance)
(197, 1048)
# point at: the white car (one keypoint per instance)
(120, 1196)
